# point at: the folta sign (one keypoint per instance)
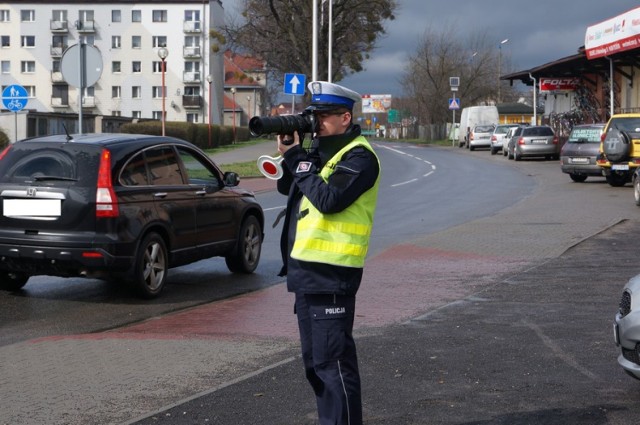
(618, 34)
(558, 84)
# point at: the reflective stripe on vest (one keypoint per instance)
(341, 238)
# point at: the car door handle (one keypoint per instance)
(160, 195)
(201, 192)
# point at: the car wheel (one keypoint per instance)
(494, 151)
(151, 266)
(246, 253)
(616, 180)
(504, 152)
(636, 190)
(578, 178)
(516, 156)
(10, 281)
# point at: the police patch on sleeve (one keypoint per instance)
(303, 167)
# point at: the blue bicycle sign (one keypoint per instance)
(14, 97)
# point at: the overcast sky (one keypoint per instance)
(539, 31)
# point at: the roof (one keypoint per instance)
(237, 67)
(515, 108)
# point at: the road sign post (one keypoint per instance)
(15, 98)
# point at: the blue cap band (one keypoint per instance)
(332, 100)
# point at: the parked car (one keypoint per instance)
(579, 154)
(620, 157)
(510, 140)
(538, 140)
(498, 137)
(120, 206)
(626, 328)
(480, 136)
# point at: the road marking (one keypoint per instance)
(433, 167)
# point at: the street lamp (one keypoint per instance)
(500, 64)
(163, 53)
(233, 93)
(209, 80)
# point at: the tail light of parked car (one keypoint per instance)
(521, 141)
(4, 152)
(106, 201)
(556, 140)
(494, 138)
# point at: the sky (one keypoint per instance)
(539, 31)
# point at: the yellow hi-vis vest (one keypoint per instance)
(341, 238)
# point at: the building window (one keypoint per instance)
(31, 91)
(5, 67)
(157, 67)
(136, 15)
(28, 41)
(116, 16)
(28, 67)
(116, 92)
(156, 92)
(159, 16)
(28, 15)
(136, 42)
(192, 91)
(116, 113)
(157, 115)
(88, 39)
(136, 114)
(5, 41)
(116, 67)
(191, 117)
(136, 67)
(5, 16)
(136, 92)
(159, 41)
(56, 65)
(116, 42)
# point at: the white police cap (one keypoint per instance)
(327, 96)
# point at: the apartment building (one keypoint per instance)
(34, 36)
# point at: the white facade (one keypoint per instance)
(34, 36)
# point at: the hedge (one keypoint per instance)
(198, 134)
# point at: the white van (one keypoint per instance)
(472, 116)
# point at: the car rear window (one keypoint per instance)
(501, 130)
(585, 135)
(537, 131)
(628, 124)
(483, 129)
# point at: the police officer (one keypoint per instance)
(332, 189)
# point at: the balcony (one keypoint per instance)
(86, 26)
(192, 26)
(59, 26)
(192, 101)
(190, 77)
(88, 102)
(57, 51)
(58, 102)
(191, 51)
(56, 77)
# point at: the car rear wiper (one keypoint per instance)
(43, 178)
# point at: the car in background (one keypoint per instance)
(620, 156)
(120, 207)
(579, 153)
(498, 137)
(480, 136)
(626, 328)
(533, 141)
(513, 132)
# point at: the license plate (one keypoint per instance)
(579, 160)
(31, 207)
(620, 167)
(616, 334)
(539, 141)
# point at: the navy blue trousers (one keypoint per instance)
(329, 355)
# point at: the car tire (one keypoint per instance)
(616, 180)
(10, 281)
(578, 178)
(636, 191)
(494, 151)
(246, 253)
(151, 266)
(516, 156)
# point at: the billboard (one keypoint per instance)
(558, 84)
(614, 35)
(376, 103)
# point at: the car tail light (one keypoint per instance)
(92, 254)
(471, 136)
(521, 141)
(555, 140)
(494, 138)
(106, 201)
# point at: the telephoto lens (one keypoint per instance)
(285, 124)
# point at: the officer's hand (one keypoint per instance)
(287, 141)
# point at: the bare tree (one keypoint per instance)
(441, 55)
(280, 32)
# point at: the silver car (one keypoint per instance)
(539, 140)
(480, 136)
(578, 155)
(626, 328)
(499, 137)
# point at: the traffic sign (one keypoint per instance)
(14, 97)
(454, 103)
(81, 62)
(294, 84)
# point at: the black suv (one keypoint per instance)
(120, 206)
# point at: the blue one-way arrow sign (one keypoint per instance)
(294, 84)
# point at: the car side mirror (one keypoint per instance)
(231, 179)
